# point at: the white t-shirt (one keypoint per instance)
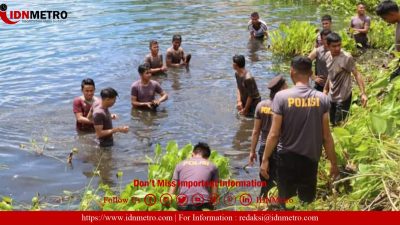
(260, 32)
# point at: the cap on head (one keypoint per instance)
(276, 82)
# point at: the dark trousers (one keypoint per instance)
(339, 111)
(297, 174)
(361, 40)
(272, 172)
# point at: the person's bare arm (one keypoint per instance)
(239, 104)
(172, 189)
(326, 87)
(164, 97)
(254, 140)
(360, 81)
(329, 145)
(246, 108)
(81, 119)
(313, 54)
(136, 103)
(272, 141)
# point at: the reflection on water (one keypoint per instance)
(255, 45)
(42, 66)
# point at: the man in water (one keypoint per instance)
(154, 59)
(262, 122)
(389, 12)
(359, 26)
(175, 54)
(340, 66)
(82, 106)
(257, 27)
(320, 54)
(102, 118)
(300, 123)
(326, 22)
(197, 169)
(247, 92)
(143, 91)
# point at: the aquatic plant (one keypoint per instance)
(297, 38)
(161, 168)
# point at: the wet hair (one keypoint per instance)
(143, 68)
(333, 38)
(302, 65)
(325, 33)
(254, 14)
(386, 7)
(239, 60)
(203, 149)
(276, 88)
(153, 42)
(176, 37)
(360, 3)
(87, 81)
(326, 18)
(108, 93)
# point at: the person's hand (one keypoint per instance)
(239, 106)
(148, 105)
(156, 102)
(334, 173)
(243, 112)
(252, 35)
(319, 80)
(123, 129)
(114, 116)
(164, 69)
(364, 100)
(252, 158)
(264, 169)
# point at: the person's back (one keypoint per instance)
(201, 174)
(302, 109)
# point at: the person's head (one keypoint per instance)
(361, 9)
(324, 34)
(326, 22)
(88, 88)
(108, 96)
(144, 72)
(238, 61)
(254, 18)
(275, 85)
(202, 149)
(334, 42)
(388, 11)
(300, 69)
(154, 47)
(176, 41)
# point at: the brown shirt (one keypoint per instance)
(359, 23)
(146, 93)
(321, 68)
(264, 113)
(102, 116)
(196, 169)
(248, 87)
(82, 106)
(339, 75)
(302, 109)
(154, 62)
(176, 56)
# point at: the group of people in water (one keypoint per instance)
(293, 124)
